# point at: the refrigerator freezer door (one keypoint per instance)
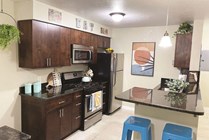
(116, 88)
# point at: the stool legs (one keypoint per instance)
(129, 135)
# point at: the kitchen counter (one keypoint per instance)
(7, 133)
(187, 103)
(162, 107)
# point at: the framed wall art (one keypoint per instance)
(143, 56)
(54, 15)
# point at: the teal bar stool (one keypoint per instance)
(141, 125)
(176, 132)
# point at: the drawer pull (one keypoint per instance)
(77, 117)
(78, 96)
(78, 104)
(61, 102)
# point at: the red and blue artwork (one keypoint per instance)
(143, 56)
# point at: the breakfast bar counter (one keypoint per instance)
(162, 107)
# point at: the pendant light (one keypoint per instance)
(117, 16)
(165, 41)
(2, 12)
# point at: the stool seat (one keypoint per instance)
(176, 132)
(138, 124)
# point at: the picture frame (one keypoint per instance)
(78, 23)
(193, 77)
(54, 15)
(143, 56)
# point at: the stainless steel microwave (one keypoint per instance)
(81, 54)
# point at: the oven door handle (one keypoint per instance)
(88, 95)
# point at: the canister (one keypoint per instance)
(28, 87)
(37, 87)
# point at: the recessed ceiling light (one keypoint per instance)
(117, 16)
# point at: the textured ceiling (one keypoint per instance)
(138, 12)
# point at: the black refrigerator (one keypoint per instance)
(109, 67)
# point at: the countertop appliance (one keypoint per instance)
(81, 54)
(92, 97)
(109, 68)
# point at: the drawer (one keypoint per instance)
(59, 102)
(77, 106)
(76, 122)
(77, 96)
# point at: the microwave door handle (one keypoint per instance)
(90, 55)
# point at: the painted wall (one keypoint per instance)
(33, 9)
(122, 42)
(12, 77)
(204, 75)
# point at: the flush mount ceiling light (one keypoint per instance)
(117, 16)
(166, 40)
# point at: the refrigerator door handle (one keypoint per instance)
(114, 69)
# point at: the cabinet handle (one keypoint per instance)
(78, 104)
(61, 102)
(50, 61)
(77, 117)
(78, 96)
(60, 111)
(47, 62)
(63, 112)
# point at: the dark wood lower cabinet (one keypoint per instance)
(51, 119)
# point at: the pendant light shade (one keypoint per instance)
(165, 41)
(117, 16)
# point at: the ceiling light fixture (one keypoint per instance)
(117, 16)
(166, 40)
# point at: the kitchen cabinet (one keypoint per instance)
(53, 118)
(80, 38)
(42, 45)
(45, 45)
(65, 46)
(77, 111)
(183, 51)
(103, 42)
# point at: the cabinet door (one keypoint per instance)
(103, 42)
(40, 48)
(85, 39)
(66, 123)
(65, 46)
(183, 50)
(53, 42)
(53, 123)
(76, 36)
(93, 42)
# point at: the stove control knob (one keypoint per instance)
(74, 74)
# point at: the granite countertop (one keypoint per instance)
(182, 102)
(53, 92)
(7, 133)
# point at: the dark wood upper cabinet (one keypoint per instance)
(183, 51)
(65, 46)
(76, 36)
(103, 42)
(47, 45)
(43, 45)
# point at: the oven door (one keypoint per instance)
(81, 54)
(93, 103)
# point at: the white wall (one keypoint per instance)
(12, 77)
(122, 42)
(204, 75)
(33, 9)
